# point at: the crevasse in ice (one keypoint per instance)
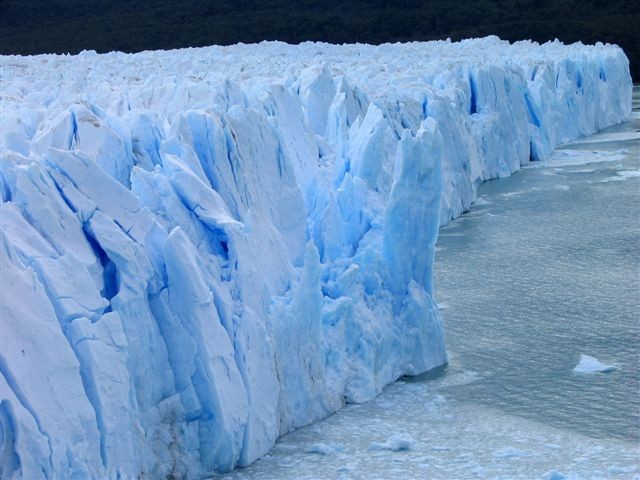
(204, 249)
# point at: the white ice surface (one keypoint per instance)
(204, 249)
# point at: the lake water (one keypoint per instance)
(544, 268)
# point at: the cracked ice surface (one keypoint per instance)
(204, 249)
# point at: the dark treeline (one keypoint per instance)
(61, 26)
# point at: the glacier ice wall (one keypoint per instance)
(204, 249)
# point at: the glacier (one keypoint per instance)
(204, 249)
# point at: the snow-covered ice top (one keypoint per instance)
(472, 77)
(380, 70)
(204, 249)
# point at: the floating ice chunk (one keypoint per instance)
(622, 175)
(325, 448)
(396, 443)
(345, 468)
(509, 452)
(438, 448)
(553, 475)
(621, 470)
(481, 201)
(553, 446)
(568, 157)
(608, 137)
(593, 365)
(457, 379)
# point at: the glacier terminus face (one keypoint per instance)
(205, 249)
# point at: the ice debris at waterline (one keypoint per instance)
(395, 443)
(589, 364)
(204, 249)
(325, 448)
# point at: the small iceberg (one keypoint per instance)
(509, 452)
(325, 448)
(593, 365)
(554, 475)
(621, 470)
(396, 443)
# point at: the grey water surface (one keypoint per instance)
(544, 268)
